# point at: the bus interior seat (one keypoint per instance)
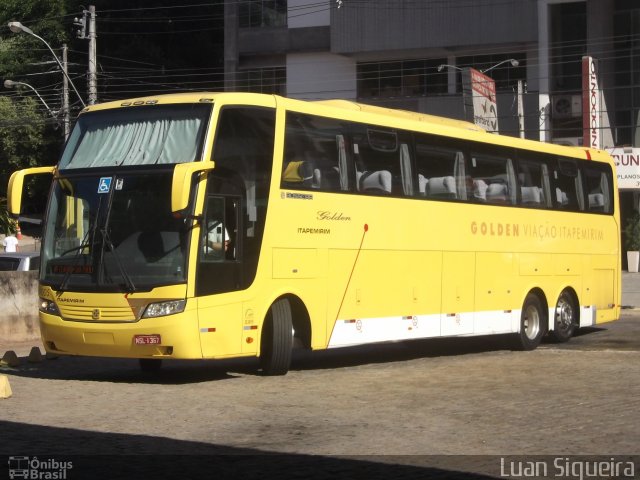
(302, 173)
(422, 184)
(328, 178)
(561, 197)
(443, 187)
(531, 195)
(480, 190)
(497, 193)
(596, 202)
(375, 182)
(155, 247)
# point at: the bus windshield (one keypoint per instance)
(144, 135)
(113, 233)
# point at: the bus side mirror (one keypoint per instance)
(16, 185)
(181, 185)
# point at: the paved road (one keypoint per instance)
(397, 411)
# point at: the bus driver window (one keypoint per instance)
(216, 240)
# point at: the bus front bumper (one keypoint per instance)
(172, 336)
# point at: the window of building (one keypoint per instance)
(262, 80)
(262, 13)
(626, 18)
(403, 78)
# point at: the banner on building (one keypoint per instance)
(591, 109)
(627, 162)
(480, 104)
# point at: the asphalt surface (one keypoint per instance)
(444, 408)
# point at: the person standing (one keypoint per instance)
(10, 243)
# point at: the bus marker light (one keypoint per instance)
(249, 340)
(147, 339)
(250, 327)
(207, 330)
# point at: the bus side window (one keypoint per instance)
(439, 171)
(312, 154)
(498, 174)
(598, 188)
(375, 153)
(533, 181)
(568, 185)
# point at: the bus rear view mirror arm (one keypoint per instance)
(16, 184)
(181, 185)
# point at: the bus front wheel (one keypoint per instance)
(277, 339)
(565, 318)
(533, 324)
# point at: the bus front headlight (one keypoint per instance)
(48, 306)
(162, 309)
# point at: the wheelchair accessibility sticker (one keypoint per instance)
(104, 185)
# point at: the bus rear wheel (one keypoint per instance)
(533, 324)
(566, 320)
(277, 339)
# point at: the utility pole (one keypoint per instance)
(87, 31)
(93, 87)
(520, 109)
(65, 93)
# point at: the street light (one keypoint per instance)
(11, 84)
(513, 61)
(444, 65)
(17, 27)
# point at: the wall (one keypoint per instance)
(320, 75)
(383, 25)
(18, 306)
(308, 13)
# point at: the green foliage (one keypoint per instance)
(632, 233)
(19, 51)
(7, 224)
(21, 137)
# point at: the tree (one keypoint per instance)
(21, 137)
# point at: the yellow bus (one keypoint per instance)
(218, 225)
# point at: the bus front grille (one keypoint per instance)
(97, 314)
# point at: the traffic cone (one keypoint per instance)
(18, 231)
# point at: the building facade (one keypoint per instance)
(409, 54)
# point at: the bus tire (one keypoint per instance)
(276, 341)
(533, 324)
(150, 365)
(565, 323)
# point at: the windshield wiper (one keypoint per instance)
(123, 271)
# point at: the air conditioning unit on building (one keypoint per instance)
(568, 141)
(566, 106)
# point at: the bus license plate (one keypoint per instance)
(147, 339)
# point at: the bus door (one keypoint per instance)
(219, 271)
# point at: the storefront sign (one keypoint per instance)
(480, 103)
(627, 162)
